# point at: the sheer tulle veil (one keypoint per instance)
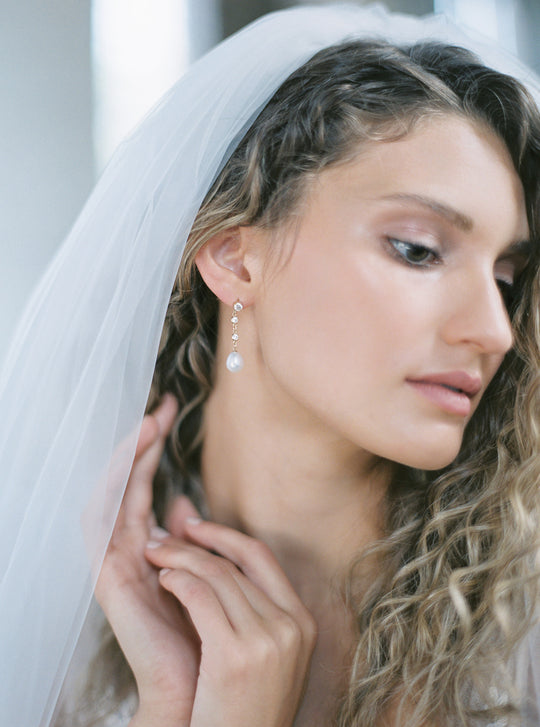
(77, 376)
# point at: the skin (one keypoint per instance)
(332, 335)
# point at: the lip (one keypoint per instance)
(451, 391)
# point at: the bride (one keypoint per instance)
(331, 517)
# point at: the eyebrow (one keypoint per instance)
(458, 219)
(522, 248)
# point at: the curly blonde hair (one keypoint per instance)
(458, 578)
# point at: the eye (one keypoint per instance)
(507, 277)
(412, 253)
(507, 291)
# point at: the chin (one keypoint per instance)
(422, 455)
(430, 461)
(431, 448)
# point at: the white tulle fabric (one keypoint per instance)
(76, 379)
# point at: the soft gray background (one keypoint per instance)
(46, 132)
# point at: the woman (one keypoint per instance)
(381, 438)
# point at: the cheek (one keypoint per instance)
(331, 324)
(338, 346)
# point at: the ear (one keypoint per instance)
(223, 263)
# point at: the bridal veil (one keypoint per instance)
(76, 379)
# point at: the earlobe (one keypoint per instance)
(222, 265)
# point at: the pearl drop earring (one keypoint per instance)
(235, 362)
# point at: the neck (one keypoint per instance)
(313, 498)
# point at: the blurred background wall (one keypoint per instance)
(76, 75)
(46, 148)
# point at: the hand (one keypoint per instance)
(157, 638)
(256, 636)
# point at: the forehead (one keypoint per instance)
(462, 165)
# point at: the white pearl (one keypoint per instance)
(235, 362)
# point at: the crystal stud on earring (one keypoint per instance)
(235, 362)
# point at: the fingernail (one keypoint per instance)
(153, 544)
(159, 533)
(193, 520)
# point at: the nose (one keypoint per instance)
(478, 316)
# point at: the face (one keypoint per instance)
(387, 321)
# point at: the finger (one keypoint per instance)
(137, 501)
(148, 434)
(158, 423)
(244, 603)
(254, 558)
(154, 431)
(165, 413)
(180, 509)
(201, 602)
(138, 497)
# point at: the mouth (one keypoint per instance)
(453, 392)
(454, 388)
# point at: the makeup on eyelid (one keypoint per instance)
(413, 237)
(436, 225)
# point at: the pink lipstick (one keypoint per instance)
(452, 391)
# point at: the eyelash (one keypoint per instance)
(508, 292)
(401, 248)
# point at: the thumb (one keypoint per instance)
(179, 510)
